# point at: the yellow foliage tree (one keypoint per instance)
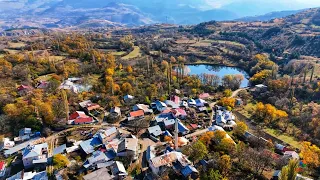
(260, 76)
(310, 154)
(224, 164)
(241, 128)
(109, 72)
(126, 88)
(206, 138)
(129, 69)
(227, 102)
(60, 161)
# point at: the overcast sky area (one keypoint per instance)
(300, 4)
(240, 7)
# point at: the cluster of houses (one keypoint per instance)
(33, 150)
(74, 85)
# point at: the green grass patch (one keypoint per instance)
(247, 110)
(44, 77)
(57, 58)
(119, 53)
(133, 54)
(285, 138)
(228, 42)
(11, 51)
(16, 45)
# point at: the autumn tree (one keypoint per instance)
(129, 69)
(5, 68)
(60, 161)
(227, 145)
(269, 114)
(196, 151)
(211, 174)
(227, 92)
(240, 129)
(126, 88)
(126, 42)
(224, 164)
(232, 81)
(261, 76)
(310, 154)
(206, 138)
(289, 172)
(227, 102)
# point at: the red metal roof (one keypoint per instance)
(22, 87)
(78, 114)
(83, 120)
(2, 165)
(136, 113)
(204, 95)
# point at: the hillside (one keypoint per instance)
(294, 34)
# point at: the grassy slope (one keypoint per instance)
(133, 54)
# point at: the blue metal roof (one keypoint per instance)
(89, 145)
(182, 128)
(60, 149)
(186, 171)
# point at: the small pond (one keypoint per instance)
(219, 71)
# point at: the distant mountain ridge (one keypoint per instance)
(106, 13)
(269, 16)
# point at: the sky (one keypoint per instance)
(296, 3)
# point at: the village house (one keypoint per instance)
(259, 88)
(42, 85)
(108, 135)
(128, 147)
(22, 175)
(79, 117)
(159, 106)
(118, 170)
(24, 135)
(115, 112)
(291, 155)
(2, 168)
(180, 113)
(134, 115)
(6, 144)
(175, 160)
(191, 103)
(146, 109)
(97, 157)
(60, 149)
(155, 131)
(90, 107)
(100, 174)
(69, 85)
(75, 85)
(25, 131)
(35, 154)
(24, 90)
(90, 145)
(204, 96)
(225, 119)
(128, 98)
(171, 104)
(175, 99)
(201, 102)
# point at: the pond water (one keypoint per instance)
(219, 71)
